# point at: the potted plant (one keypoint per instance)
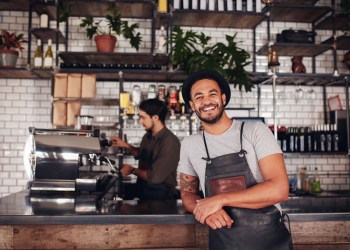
(106, 40)
(190, 52)
(10, 43)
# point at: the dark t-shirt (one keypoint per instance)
(160, 154)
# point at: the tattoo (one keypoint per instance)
(189, 183)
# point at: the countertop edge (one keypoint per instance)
(145, 219)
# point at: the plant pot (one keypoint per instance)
(105, 43)
(8, 58)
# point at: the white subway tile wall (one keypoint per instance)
(26, 103)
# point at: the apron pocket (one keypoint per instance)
(228, 184)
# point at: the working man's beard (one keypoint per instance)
(150, 128)
(214, 119)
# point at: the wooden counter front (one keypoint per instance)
(30, 224)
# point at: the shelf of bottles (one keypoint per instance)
(41, 60)
(179, 118)
(322, 138)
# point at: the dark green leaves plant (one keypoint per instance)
(191, 52)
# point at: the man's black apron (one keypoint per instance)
(252, 228)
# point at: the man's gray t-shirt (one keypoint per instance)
(258, 141)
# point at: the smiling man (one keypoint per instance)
(238, 166)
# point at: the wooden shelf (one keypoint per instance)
(343, 42)
(222, 19)
(94, 8)
(92, 101)
(45, 34)
(132, 75)
(296, 49)
(14, 5)
(114, 58)
(309, 2)
(342, 22)
(24, 73)
(301, 13)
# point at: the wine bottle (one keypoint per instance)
(38, 55)
(322, 139)
(335, 138)
(302, 139)
(328, 138)
(48, 60)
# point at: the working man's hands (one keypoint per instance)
(117, 142)
(126, 170)
(209, 211)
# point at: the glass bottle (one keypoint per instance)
(316, 185)
(161, 93)
(161, 41)
(38, 55)
(48, 60)
(182, 104)
(162, 6)
(44, 20)
(172, 101)
(335, 138)
(151, 92)
(124, 100)
(136, 95)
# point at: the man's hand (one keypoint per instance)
(206, 207)
(126, 170)
(219, 219)
(117, 142)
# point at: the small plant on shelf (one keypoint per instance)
(190, 51)
(115, 26)
(10, 45)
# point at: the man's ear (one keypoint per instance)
(155, 117)
(223, 98)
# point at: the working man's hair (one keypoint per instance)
(154, 107)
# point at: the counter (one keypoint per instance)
(59, 222)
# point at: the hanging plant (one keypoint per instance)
(190, 52)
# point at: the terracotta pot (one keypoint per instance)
(8, 58)
(105, 43)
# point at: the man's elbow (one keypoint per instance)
(283, 193)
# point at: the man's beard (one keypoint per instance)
(150, 128)
(211, 120)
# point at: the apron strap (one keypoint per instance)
(242, 152)
(206, 150)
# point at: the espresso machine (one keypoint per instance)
(70, 162)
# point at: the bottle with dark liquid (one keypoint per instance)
(335, 138)
(328, 138)
(322, 139)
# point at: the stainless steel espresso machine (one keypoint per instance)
(70, 162)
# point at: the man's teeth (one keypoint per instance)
(209, 108)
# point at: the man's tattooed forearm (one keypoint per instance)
(189, 184)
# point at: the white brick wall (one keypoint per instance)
(25, 102)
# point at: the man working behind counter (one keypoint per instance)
(240, 168)
(158, 155)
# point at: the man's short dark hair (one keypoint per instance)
(154, 107)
